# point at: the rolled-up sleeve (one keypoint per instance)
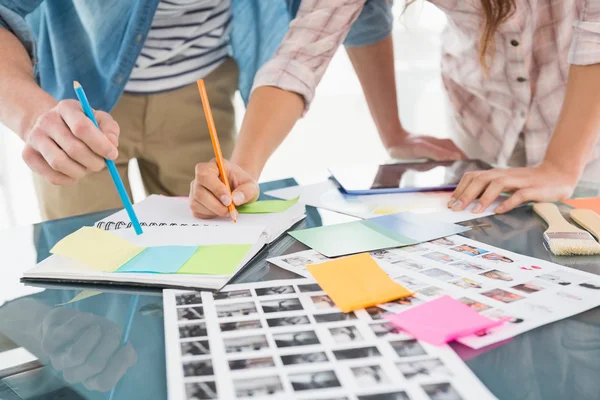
(374, 24)
(313, 37)
(12, 17)
(585, 47)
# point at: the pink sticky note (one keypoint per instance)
(441, 321)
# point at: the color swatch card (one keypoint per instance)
(383, 232)
(588, 203)
(356, 282)
(287, 340)
(267, 206)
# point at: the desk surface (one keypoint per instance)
(557, 361)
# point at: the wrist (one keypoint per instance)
(565, 166)
(249, 162)
(394, 137)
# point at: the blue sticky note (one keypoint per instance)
(160, 259)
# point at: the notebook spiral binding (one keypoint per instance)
(111, 225)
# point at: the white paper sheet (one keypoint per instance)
(327, 196)
(532, 292)
(283, 340)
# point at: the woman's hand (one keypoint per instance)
(545, 182)
(210, 198)
(411, 147)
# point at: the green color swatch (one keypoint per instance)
(266, 206)
(221, 259)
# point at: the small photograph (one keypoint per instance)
(410, 282)
(408, 348)
(562, 278)
(314, 380)
(275, 290)
(192, 331)
(467, 266)
(385, 329)
(234, 294)
(385, 396)
(240, 325)
(188, 299)
(529, 287)
(386, 255)
(288, 321)
(322, 302)
(246, 343)
(495, 257)
(569, 296)
(359, 352)
(497, 314)
(414, 248)
(198, 368)
(312, 287)
(334, 317)
(432, 291)
(502, 295)
(190, 313)
(439, 257)
(197, 348)
(475, 305)
(370, 375)
(439, 274)
(444, 242)
(441, 391)
(376, 313)
(297, 261)
(304, 358)
(402, 304)
(235, 309)
(410, 265)
(258, 386)
(429, 368)
(590, 285)
(251, 363)
(531, 268)
(469, 250)
(345, 334)
(293, 339)
(281, 305)
(466, 283)
(498, 275)
(201, 391)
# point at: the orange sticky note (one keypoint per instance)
(590, 203)
(356, 282)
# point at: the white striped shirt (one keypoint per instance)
(188, 40)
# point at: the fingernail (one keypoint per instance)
(457, 205)
(238, 198)
(499, 210)
(226, 200)
(477, 208)
(113, 154)
(451, 202)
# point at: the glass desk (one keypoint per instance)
(49, 352)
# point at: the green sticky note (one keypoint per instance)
(267, 206)
(221, 259)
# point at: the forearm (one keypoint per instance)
(21, 99)
(374, 66)
(270, 116)
(578, 127)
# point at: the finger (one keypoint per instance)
(116, 368)
(76, 149)
(465, 181)
(56, 338)
(427, 149)
(451, 146)
(85, 130)
(78, 352)
(108, 126)
(489, 195)
(246, 193)
(57, 159)
(207, 175)
(204, 203)
(475, 188)
(38, 164)
(517, 198)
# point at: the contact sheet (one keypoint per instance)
(286, 339)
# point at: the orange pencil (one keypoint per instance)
(216, 146)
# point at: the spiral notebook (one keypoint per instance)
(159, 210)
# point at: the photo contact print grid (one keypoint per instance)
(286, 339)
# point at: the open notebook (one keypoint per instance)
(159, 210)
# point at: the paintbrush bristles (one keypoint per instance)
(584, 245)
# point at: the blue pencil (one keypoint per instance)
(109, 163)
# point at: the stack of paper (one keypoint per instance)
(274, 217)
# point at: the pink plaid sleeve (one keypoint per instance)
(306, 50)
(585, 48)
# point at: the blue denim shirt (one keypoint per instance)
(98, 42)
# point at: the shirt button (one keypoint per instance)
(139, 38)
(120, 79)
(514, 43)
(521, 79)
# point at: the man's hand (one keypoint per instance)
(64, 145)
(209, 197)
(411, 147)
(546, 183)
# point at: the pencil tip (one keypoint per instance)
(76, 84)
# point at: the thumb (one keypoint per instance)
(246, 193)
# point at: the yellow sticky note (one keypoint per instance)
(97, 248)
(84, 294)
(356, 282)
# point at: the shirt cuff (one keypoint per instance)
(16, 24)
(374, 24)
(585, 47)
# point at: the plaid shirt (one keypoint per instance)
(522, 92)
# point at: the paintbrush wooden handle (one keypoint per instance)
(589, 219)
(551, 214)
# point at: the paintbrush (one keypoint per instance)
(587, 219)
(561, 237)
